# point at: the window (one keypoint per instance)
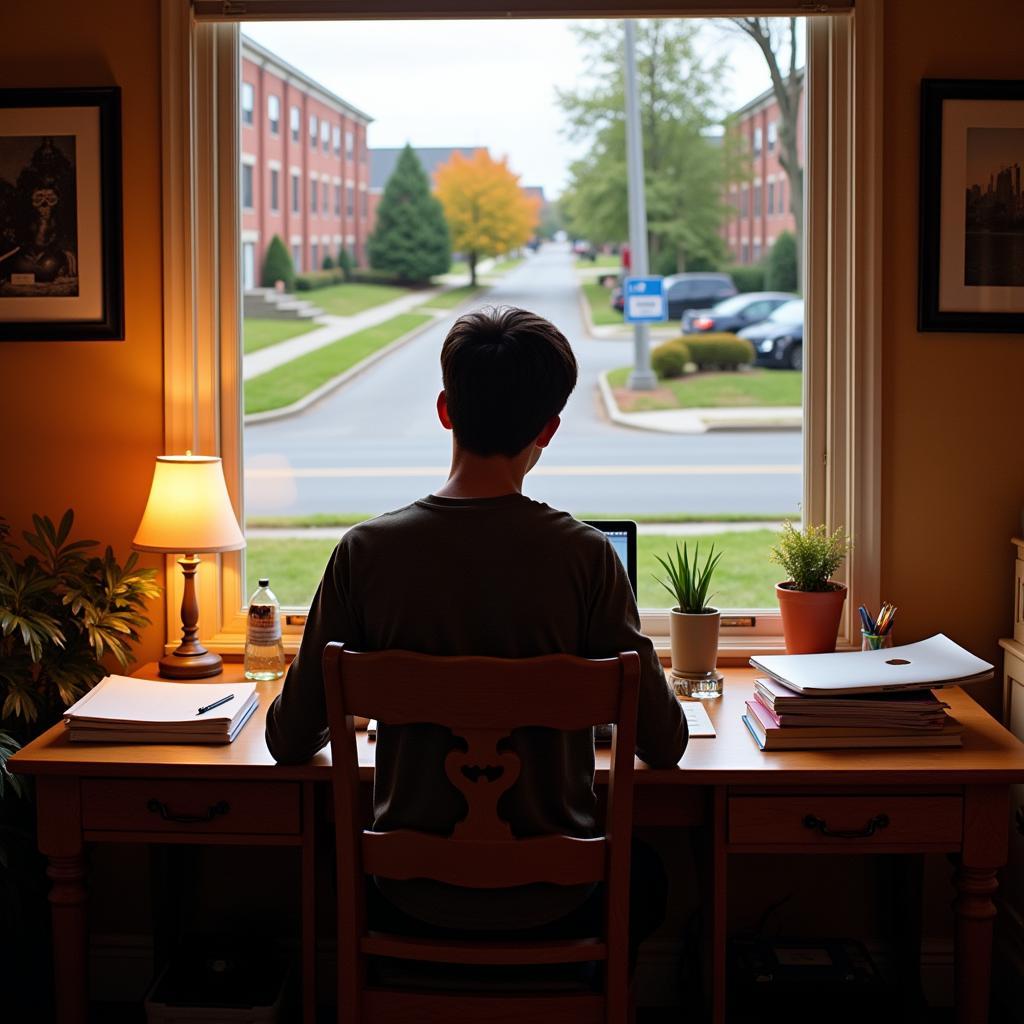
(247, 190)
(312, 130)
(349, 145)
(313, 193)
(744, 201)
(315, 262)
(349, 201)
(326, 203)
(757, 142)
(275, 176)
(757, 251)
(274, 114)
(295, 121)
(365, 204)
(336, 138)
(337, 200)
(297, 257)
(296, 192)
(757, 198)
(771, 196)
(248, 102)
(781, 200)
(325, 136)
(839, 298)
(773, 135)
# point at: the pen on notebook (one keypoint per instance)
(216, 704)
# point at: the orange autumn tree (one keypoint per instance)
(488, 213)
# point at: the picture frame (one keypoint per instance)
(61, 244)
(971, 268)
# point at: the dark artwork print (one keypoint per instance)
(38, 216)
(994, 243)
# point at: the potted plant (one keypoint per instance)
(810, 601)
(62, 611)
(693, 623)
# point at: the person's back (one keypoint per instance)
(480, 569)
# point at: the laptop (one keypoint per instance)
(622, 534)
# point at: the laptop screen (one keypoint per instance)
(622, 534)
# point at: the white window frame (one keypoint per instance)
(274, 122)
(247, 91)
(250, 162)
(295, 123)
(842, 401)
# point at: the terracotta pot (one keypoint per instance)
(810, 620)
(694, 640)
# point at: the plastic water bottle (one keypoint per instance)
(264, 650)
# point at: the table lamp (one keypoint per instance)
(188, 511)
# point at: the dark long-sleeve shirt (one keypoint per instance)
(504, 577)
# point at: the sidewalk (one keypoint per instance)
(700, 421)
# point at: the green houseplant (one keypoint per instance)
(693, 623)
(810, 601)
(62, 611)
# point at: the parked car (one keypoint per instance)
(779, 340)
(688, 291)
(584, 250)
(734, 313)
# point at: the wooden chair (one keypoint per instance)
(481, 700)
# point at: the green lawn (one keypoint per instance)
(258, 333)
(294, 380)
(600, 299)
(745, 578)
(717, 390)
(604, 259)
(346, 299)
(452, 298)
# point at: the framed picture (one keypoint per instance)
(972, 206)
(61, 264)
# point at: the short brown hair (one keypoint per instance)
(506, 372)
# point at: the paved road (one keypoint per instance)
(376, 444)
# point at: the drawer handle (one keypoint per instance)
(159, 807)
(817, 824)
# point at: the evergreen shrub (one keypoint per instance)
(747, 278)
(277, 266)
(720, 351)
(670, 358)
(780, 265)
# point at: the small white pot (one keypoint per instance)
(694, 640)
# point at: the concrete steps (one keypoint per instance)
(270, 304)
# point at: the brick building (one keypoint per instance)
(305, 166)
(762, 203)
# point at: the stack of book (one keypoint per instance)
(120, 709)
(878, 698)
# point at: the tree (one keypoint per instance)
(277, 266)
(327, 263)
(345, 263)
(776, 38)
(685, 165)
(781, 274)
(488, 213)
(410, 239)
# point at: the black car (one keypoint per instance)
(688, 291)
(779, 340)
(734, 313)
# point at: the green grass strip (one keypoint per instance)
(744, 579)
(452, 298)
(294, 380)
(260, 332)
(600, 298)
(354, 297)
(736, 390)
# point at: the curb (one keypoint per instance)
(695, 421)
(334, 383)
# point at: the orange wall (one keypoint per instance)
(82, 421)
(953, 476)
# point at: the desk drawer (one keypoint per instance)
(828, 820)
(182, 806)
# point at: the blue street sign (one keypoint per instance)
(644, 300)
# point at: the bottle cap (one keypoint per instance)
(264, 583)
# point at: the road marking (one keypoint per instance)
(336, 472)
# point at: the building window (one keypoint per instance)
(757, 141)
(757, 251)
(312, 130)
(296, 123)
(780, 204)
(248, 102)
(337, 200)
(757, 199)
(313, 193)
(773, 135)
(366, 204)
(296, 193)
(349, 145)
(745, 252)
(325, 205)
(247, 191)
(744, 201)
(325, 136)
(275, 201)
(274, 114)
(350, 198)
(336, 138)
(315, 262)
(771, 196)
(297, 257)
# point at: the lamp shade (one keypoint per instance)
(188, 509)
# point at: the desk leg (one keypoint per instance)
(308, 905)
(984, 851)
(60, 840)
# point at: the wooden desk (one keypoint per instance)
(953, 801)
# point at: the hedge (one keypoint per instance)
(671, 358)
(719, 351)
(748, 278)
(314, 279)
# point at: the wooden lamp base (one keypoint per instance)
(190, 660)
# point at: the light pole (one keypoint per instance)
(642, 378)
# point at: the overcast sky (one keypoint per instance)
(476, 83)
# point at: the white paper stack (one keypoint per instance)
(120, 709)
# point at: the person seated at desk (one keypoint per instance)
(478, 568)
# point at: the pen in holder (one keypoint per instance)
(874, 641)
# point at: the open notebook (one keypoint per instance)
(120, 709)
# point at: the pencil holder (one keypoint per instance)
(874, 641)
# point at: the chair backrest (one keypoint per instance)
(481, 700)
